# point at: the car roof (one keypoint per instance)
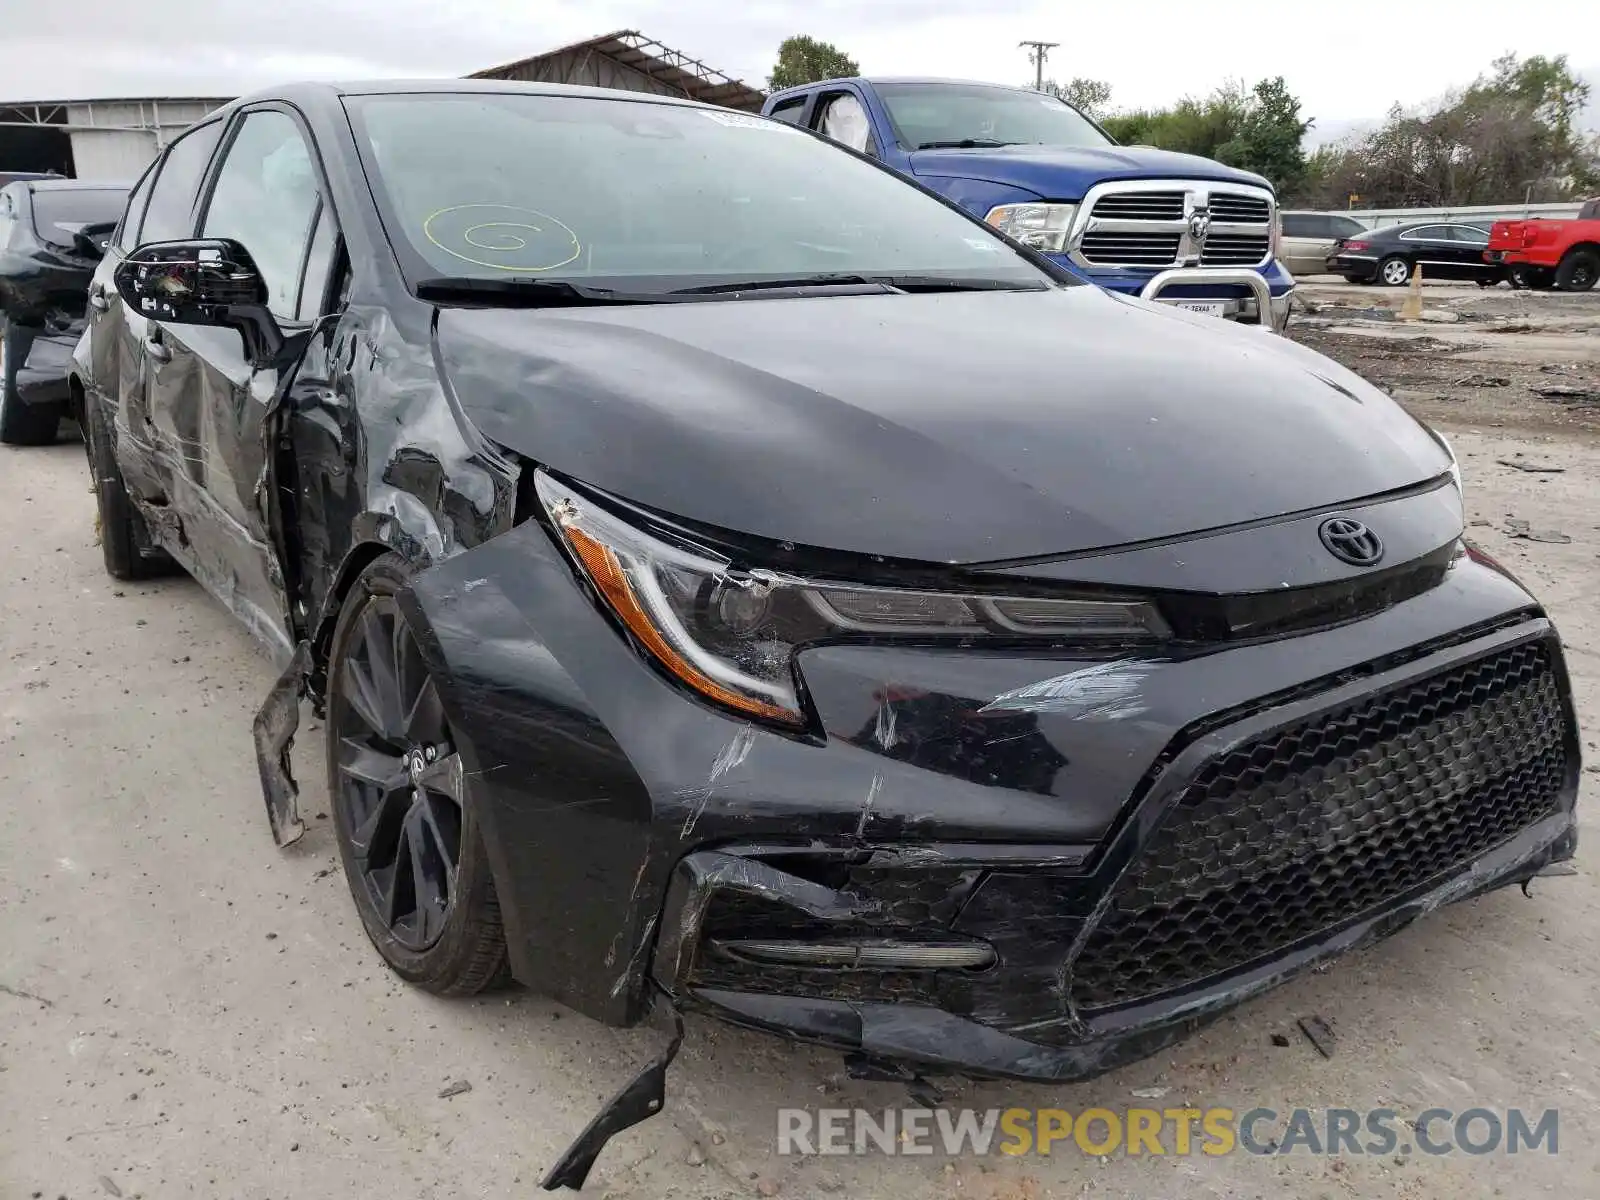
(875, 80)
(325, 92)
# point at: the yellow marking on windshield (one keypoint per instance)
(499, 237)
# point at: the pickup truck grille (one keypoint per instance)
(1129, 225)
(1130, 249)
(1235, 249)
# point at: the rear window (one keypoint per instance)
(78, 206)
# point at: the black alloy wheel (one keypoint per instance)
(411, 851)
(1579, 270)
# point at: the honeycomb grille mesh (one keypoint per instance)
(1321, 822)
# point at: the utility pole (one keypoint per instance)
(1038, 52)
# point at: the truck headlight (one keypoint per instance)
(1040, 226)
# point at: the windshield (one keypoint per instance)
(54, 207)
(647, 197)
(945, 114)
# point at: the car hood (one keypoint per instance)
(956, 427)
(1067, 172)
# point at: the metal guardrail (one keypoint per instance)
(1375, 218)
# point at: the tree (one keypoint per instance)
(1091, 97)
(1267, 139)
(1510, 137)
(1190, 126)
(803, 59)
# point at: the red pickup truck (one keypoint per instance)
(1545, 254)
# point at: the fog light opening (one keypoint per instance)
(864, 955)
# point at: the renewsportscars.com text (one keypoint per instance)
(1174, 1131)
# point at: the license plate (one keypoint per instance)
(1204, 307)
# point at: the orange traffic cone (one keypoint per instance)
(1411, 310)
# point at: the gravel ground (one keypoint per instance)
(186, 1011)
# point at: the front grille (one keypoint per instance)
(1142, 228)
(1234, 249)
(1141, 206)
(1227, 206)
(1315, 825)
(1130, 249)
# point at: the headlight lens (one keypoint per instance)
(1455, 465)
(1041, 226)
(732, 634)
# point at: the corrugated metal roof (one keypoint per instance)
(667, 66)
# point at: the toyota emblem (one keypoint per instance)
(1351, 541)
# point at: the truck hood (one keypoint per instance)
(945, 428)
(1067, 172)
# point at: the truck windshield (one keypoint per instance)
(648, 197)
(930, 115)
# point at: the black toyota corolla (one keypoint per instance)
(737, 581)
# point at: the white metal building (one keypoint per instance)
(94, 139)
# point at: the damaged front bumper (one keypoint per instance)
(1042, 886)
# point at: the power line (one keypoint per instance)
(1039, 52)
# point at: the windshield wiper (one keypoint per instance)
(822, 280)
(965, 144)
(870, 283)
(519, 291)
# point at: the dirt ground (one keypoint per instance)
(187, 1012)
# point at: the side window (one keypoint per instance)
(170, 213)
(1346, 227)
(1590, 211)
(265, 198)
(8, 217)
(790, 110)
(1428, 233)
(1304, 225)
(319, 265)
(841, 117)
(1470, 234)
(128, 230)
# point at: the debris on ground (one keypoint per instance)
(696, 1156)
(1476, 380)
(105, 1182)
(1280, 1040)
(1517, 528)
(1319, 1033)
(1531, 467)
(457, 1088)
(1151, 1093)
(1565, 393)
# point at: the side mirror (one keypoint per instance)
(202, 282)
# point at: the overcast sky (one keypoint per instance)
(1346, 59)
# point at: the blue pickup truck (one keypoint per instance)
(1133, 219)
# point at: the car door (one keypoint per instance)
(1470, 243)
(161, 209)
(265, 193)
(1305, 243)
(1436, 250)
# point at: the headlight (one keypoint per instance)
(1041, 226)
(731, 634)
(1455, 465)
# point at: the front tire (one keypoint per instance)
(1394, 271)
(21, 424)
(407, 828)
(1579, 270)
